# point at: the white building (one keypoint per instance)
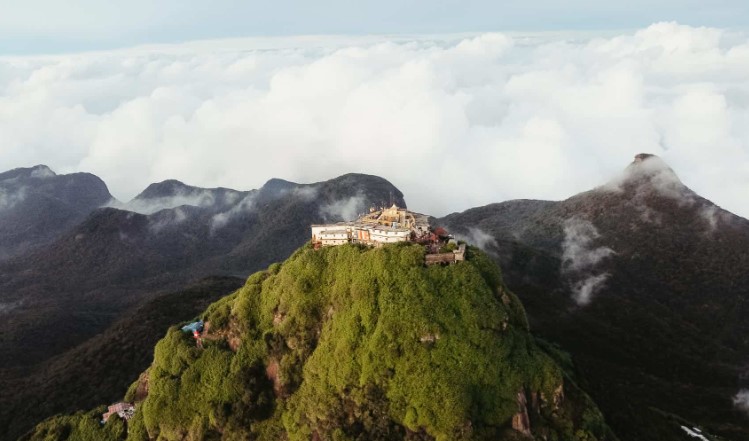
(389, 235)
(389, 225)
(335, 237)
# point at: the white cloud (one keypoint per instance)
(305, 193)
(42, 173)
(741, 400)
(167, 219)
(479, 238)
(580, 257)
(453, 122)
(653, 173)
(10, 197)
(584, 290)
(344, 209)
(7, 307)
(578, 251)
(246, 205)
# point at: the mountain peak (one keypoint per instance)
(275, 186)
(649, 164)
(173, 193)
(37, 205)
(640, 157)
(170, 187)
(37, 171)
(648, 173)
(41, 171)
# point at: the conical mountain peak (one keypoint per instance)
(648, 174)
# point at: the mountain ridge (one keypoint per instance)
(593, 272)
(115, 256)
(37, 206)
(60, 295)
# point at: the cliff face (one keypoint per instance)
(352, 343)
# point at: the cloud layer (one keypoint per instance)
(453, 122)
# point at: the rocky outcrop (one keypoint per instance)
(521, 421)
(530, 404)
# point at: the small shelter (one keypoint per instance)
(194, 326)
(124, 410)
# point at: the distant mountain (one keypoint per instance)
(101, 368)
(61, 294)
(37, 206)
(354, 343)
(172, 193)
(641, 279)
(646, 284)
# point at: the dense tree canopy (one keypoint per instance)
(355, 343)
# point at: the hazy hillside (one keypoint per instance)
(641, 279)
(645, 283)
(72, 289)
(354, 343)
(60, 295)
(98, 370)
(37, 206)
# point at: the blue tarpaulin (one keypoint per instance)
(194, 326)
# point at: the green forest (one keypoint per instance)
(355, 343)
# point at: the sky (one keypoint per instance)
(53, 26)
(453, 112)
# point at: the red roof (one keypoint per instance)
(439, 231)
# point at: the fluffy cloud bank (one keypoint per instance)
(454, 122)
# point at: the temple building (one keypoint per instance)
(378, 227)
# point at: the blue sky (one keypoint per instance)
(53, 26)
